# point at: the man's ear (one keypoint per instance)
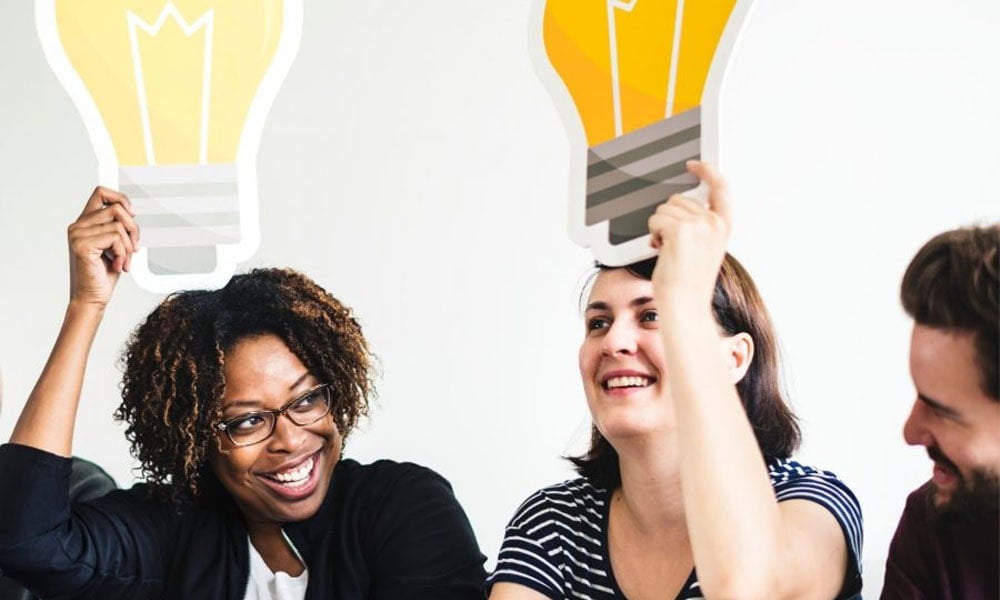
(739, 354)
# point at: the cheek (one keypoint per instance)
(587, 359)
(232, 464)
(331, 433)
(984, 451)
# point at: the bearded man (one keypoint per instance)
(946, 544)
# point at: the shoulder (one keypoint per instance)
(406, 526)
(790, 478)
(387, 491)
(916, 513)
(555, 540)
(918, 500)
(914, 523)
(385, 476)
(572, 501)
(794, 480)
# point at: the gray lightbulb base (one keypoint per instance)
(184, 213)
(629, 176)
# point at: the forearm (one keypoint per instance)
(48, 417)
(732, 515)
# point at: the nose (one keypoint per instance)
(287, 436)
(619, 339)
(914, 429)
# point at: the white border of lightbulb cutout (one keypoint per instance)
(595, 237)
(228, 255)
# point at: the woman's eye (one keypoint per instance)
(649, 316)
(308, 401)
(597, 323)
(244, 424)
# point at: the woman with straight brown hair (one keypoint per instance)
(687, 490)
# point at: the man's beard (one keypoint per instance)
(973, 498)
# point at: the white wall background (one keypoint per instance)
(408, 139)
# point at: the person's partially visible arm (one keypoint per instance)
(745, 544)
(101, 243)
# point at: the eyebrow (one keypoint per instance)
(941, 408)
(601, 305)
(256, 403)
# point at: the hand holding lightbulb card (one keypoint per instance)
(690, 237)
(102, 241)
(643, 79)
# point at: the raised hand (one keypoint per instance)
(101, 243)
(691, 239)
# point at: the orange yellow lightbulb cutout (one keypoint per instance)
(638, 74)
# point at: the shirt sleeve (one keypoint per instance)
(524, 558)
(422, 544)
(825, 489)
(59, 550)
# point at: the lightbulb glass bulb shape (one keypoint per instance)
(640, 75)
(174, 96)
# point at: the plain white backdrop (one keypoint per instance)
(414, 165)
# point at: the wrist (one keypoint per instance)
(83, 309)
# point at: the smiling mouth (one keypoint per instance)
(295, 477)
(631, 381)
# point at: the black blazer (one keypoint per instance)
(385, 531)
(86, 481)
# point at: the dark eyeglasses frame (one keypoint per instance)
(224, 425)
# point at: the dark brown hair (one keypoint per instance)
(953, 283)
(738, 308)
(173, 367)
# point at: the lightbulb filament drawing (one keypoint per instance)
(643, 78)
(175, 101)
(205, 22)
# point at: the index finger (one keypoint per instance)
(103, 196)
(718, 190)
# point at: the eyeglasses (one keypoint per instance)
(255, 427)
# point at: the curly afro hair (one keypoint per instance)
(173, 367)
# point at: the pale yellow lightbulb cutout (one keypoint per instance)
(637, 82)
(174, 95)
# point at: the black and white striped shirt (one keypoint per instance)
(557, 542)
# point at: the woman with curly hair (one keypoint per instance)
(237, 403)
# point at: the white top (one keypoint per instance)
(267, 585)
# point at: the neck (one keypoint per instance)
(274, 549)
(651, 485)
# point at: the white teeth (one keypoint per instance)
(295, 477)
(620, 382)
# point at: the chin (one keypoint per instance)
(975, 496)
(632, 427)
